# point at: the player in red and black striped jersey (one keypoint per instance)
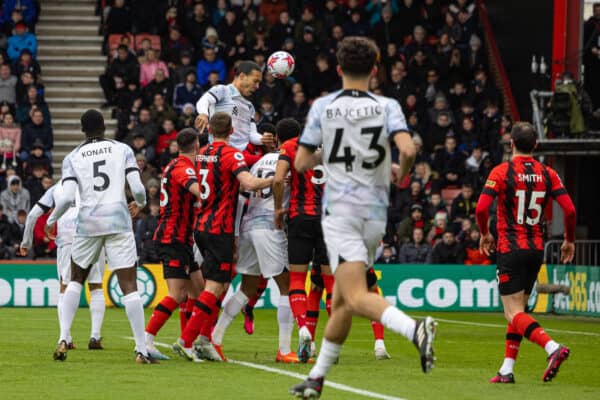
(173, 237)
(220, 169)
(523, 186)
(305, 236)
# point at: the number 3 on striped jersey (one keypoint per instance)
(533, 205)
(205, 189)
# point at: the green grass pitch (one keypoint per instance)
(468, 355)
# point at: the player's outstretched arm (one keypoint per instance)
(251, 183)
(281, 170)
(32, 218)
(306, 158)
(408, 153)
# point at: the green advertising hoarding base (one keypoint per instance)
(409, 287)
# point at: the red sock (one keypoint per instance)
(328, 282)
(161, 314)
(262, 285)
(204, 308)
(298, 297)
(513, 341)
(529, 328)
(376, 325)
(313, 303)
(183, 315)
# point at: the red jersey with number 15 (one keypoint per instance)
(523, 187)
(307, 188)
(217, 167)
(175, 224)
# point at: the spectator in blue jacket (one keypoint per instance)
(26, 7)
(187, 92)
(210, 63)
(21, 40)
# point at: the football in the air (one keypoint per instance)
(281, 64)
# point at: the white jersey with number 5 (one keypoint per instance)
(99, 167)
(355, 129)
(261, 207)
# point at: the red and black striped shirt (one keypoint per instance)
(175, 224)
(217, 167)
(523, 187)
(307, 188)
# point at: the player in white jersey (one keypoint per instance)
(233, 100)
(262, 251)
(64, 239)
(355, 128)
(99, 168)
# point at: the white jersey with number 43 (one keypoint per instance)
(355, 129)
(261, 207)
(99, 167)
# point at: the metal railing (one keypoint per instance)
(587, 252)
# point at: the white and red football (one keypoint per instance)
(281, 64)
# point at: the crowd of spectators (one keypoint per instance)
(26, 137)
(163, 55)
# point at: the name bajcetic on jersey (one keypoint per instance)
(361, 112)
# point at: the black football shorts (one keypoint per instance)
(305, 241)
(177, 259)
(217, 251)
(518, 270)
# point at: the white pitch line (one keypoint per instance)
(454, 321)
(335, 385)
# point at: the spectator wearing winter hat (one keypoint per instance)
(212, 40)
(448, 250)
(187, 117)
(417, 250)
(409, 223)
(21, 40)
(14, 198)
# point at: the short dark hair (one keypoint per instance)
(246, 67)
(122, 47)
(92, 123)
(203, 139)
(186, 139)
(523, 136)
(357, 56)
(220, 125)
(266, 127)
(287, 128)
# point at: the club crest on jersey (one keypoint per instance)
(190, 172)
(238, 156)
(234, 111)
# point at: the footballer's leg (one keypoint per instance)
(379, 348)
(285, 320)
(97, 303)
(517, 272)
(248, 310)
(336, 331)
(69, 309)
(233, 307)
(194, 286)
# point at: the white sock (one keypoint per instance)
(149, 339)
(97, 308)
(70, 303)
(230, 311)
(285, 318)
(551, 347)
(507, 366)
(379, 344)
(135, 313)
(328, 355)
(395, 320)
(59, 304)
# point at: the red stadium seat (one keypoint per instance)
(449, 194)
(114, 41)
(154, 41)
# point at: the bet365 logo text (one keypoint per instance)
(145, 283)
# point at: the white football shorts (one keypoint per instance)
(262, 251)
(63, 266)
(351, 239)
(120, 250)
